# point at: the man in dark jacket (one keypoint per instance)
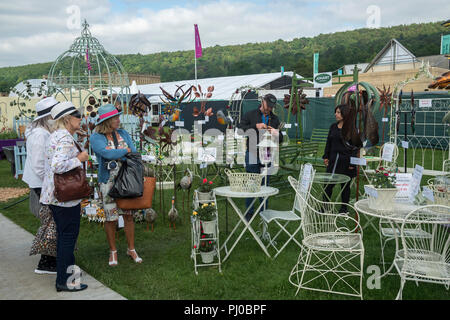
(255, 123)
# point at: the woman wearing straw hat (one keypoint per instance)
(110, 145)
(62, 155)
(37, 134)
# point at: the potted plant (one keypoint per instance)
(206, 213)
(207, 249)
(204, 191)
(8, 137)
(382, 191)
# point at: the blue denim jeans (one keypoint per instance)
(67, 222)
(253, 168)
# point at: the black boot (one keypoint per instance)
(46, 265)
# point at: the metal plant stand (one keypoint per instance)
(196, 236)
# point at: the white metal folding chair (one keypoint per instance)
(283, 218)
(425, 258)
(332, 255)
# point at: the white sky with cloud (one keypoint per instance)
(33, 31)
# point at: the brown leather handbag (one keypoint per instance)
(143, 202)
(72, 185)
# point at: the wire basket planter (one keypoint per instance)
(244, 181)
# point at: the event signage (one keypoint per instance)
(425, 103)
(323, 80)
(445, 44)
(316, 63)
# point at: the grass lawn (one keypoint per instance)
(168, 271)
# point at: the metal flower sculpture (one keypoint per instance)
(385, 103)
(173, 102)
(299, 101)
(203, 98)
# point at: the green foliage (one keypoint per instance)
(383, 179)
(207, 212)
(336, 49)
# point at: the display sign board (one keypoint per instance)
(323, 80)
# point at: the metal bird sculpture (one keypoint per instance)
(385, 103)
(173, 215)
(222, 118)
(150, 217)
(186, 183)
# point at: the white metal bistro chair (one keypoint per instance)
(425, 258)
(332, 255)
(446, 166)
(283, 218)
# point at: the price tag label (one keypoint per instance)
(121, 222)
(163, 123)
(372, 192)
(91, 211)
(296, 124)
(428, 193)
(203, 165)
(385, 119)
(358, 161)
(206, 119)
(388, 151)
(288, 125)
(284, 133)
(405, 144)
(179, 123)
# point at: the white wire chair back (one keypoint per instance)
(426, 256)
(319, 217)
(446, 166)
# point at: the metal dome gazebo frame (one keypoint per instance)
(87, 72)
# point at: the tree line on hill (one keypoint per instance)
(336, 49)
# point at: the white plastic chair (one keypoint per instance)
(425, 258)
(283, 218)
(332, 255)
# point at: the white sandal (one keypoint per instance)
(114, 261)
(138, 259)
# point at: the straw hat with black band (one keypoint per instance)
(44, 107)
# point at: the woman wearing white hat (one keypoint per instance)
(37, 134)
(110, 145)
(62, 155)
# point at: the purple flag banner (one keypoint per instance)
(87, 60)
(198, 43)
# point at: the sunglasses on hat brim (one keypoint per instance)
(76, 114)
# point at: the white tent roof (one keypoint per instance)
(224, 87)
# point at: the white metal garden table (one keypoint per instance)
(395, 217)
(264, 193)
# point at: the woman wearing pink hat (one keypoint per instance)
(110, 145)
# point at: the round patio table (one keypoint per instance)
(395, 217)
(323, 179)
(264, 193)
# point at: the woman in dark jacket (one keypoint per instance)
(342, 143)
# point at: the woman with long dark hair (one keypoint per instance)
(343, 142)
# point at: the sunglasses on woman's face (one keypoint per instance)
(76, 114)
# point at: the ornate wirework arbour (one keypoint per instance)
(86, 71)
